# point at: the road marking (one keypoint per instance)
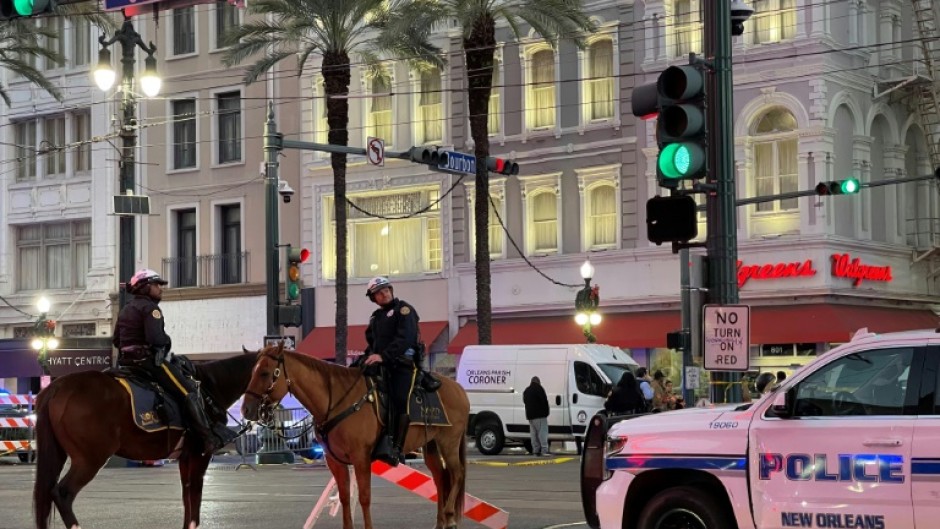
(559, 526)
(533, 463)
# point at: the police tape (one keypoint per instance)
(15, 422)
(21, 400)
(13, 446)
(533, 463)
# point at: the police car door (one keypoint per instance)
(925, 454)
(843, 460)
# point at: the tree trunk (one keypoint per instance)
(336, 78)
(479, 47)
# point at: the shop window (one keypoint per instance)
(788, 349)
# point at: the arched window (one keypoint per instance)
(430, 107)
(599, 89)
(380, 107)
(494, 123)
(775, 158)
(541, 87)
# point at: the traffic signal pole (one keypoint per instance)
(271, 151)
(722, 243)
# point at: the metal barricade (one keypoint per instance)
(291, 430)
(17, 421)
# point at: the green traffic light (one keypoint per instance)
(681, 160)
(293, 291)
(27, 8)
(849, 186)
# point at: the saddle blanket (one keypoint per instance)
(152, 413)
(423, 408)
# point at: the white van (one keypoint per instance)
(576, 379)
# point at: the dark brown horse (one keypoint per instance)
(336, 396)
(87, 417)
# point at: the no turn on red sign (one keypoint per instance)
(727, 335)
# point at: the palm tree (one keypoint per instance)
(22, 41)
(336, 30)
(551, 19)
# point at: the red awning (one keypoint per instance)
(321, 342)
(635, 329)
(769, 325)
(831, 323)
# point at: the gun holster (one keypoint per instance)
(159, 356)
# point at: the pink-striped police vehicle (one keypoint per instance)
(851, 440)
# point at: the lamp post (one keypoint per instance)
(44, 339)
(150, 84)
(586, 302)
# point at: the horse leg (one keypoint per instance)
(341, 475)
(192, 473)
(455, 471)
(432, 459)
(82, 470)
(364, 481)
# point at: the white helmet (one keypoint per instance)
(144, 276)
(376, 284)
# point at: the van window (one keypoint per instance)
(614, 371)
(588, 380)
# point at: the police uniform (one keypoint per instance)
(392, 332)
(142, 343)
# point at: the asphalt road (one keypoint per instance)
(542, 495)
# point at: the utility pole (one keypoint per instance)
(722, 243)
(271, 151)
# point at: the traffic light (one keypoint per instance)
(427, 155)
(849, 186)
(501, 166)
(295, 256)
(671, 219)
(680, 130)
(24, 8)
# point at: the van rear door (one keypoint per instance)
(588, 393)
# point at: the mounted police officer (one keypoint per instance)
(143, 345)
(392, 337)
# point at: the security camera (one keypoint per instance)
(740, 12)
(285, 190)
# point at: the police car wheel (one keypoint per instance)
(684, 508)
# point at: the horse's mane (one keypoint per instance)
(327, 369)
(228, 378)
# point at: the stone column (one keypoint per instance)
(894, 194)
(861, 168)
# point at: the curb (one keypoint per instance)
(533, 463)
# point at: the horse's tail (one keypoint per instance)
(462, 485)
(50, 458)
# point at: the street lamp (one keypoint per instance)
(150, 85)
(44, 339)
(586, 302)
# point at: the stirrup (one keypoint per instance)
(429, 383)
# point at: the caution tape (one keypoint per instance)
(21, 400)
(12, 446)
(533, 463)
(15, 422)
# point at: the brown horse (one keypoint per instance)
(336, 398)
(87, 417)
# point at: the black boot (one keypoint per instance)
(429, 383)
(199, 422)
(404, 420)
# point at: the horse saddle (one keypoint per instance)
(424, 407)
(153, 410)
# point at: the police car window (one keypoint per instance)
(588, 380)
(864, 383)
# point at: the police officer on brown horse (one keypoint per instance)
(392, 337)
(144, 346)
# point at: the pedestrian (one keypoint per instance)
(144, 346)
(536, 412)
(643, 377)
(781, 376)
(669, 397)
(659, 391)
(626, 398)
(392, 340)
(765, 383)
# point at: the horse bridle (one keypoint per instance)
(266, 409)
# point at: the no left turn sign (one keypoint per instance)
(727, 335)
(375, 151)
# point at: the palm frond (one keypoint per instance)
(264, 64)
(88, 11)
(31, 74)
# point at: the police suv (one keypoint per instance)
(851, 440)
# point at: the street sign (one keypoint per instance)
(458, 162)
(691, 377)
(289, 341)
(727, 336)
(375, 151)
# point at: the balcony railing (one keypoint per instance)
(206, 270)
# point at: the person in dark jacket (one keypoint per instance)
(627, 398)
(144, 346)
(536, 412)
(392, 338)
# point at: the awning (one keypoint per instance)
(769, 325)
(634, 329)
(831, 323)
(321, 342)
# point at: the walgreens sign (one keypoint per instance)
(843, 266)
